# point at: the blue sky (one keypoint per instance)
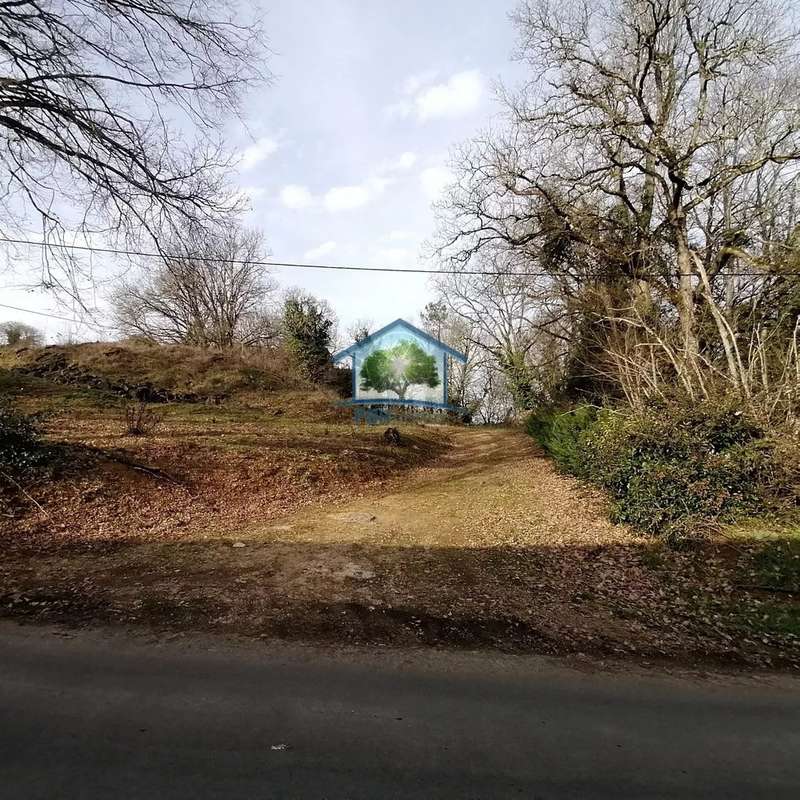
(344, 153)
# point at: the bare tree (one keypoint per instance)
(108, 110)
(652, 152)
(210, 290)
(360, 330)
(434, 318)
(502, 311)
(439, 320)
(488, 397)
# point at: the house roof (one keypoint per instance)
(348, 351)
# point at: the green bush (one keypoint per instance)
(539, 423)
(21, 449)
(559, 432)
(308, 327)
(675, 470)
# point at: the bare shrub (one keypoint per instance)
(141, 419)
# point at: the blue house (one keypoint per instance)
(400, 365)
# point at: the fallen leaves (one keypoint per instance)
(480, 545)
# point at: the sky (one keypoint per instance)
(343, 154)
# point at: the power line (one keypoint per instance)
(345, 267)
(295, 264)
(55, 316)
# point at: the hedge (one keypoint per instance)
(674, 470)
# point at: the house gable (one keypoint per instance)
(400, 364)
(348, 351)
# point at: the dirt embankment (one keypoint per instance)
(157, 373)
(56, 367)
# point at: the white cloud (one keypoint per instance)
(403, 162)
(376, 184)
(406, 160)
(413, 83)
(257, 152)
(320, 251)
(434, 180)
(399, 236)
(345, 198)
(459, 95)
(295, 197)
(410, 87)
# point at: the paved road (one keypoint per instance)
(114, 716)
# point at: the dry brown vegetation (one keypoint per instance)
(486, 547)
(271, 515)
(215, 464)
(177, 368)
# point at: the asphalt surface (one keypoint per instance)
(102, 715)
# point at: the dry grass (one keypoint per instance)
(460, 537)
(256, 456)
(485, 547)
(177, 368)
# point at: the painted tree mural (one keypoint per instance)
(396, 368)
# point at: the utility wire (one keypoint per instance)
(301, 265)
(56, 316)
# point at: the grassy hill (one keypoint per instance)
(174, 369)
(236, 436)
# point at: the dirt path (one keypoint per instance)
(493, 489)
(489, 548)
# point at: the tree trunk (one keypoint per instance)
(736, 370)
(686, 298)
(686, 290)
